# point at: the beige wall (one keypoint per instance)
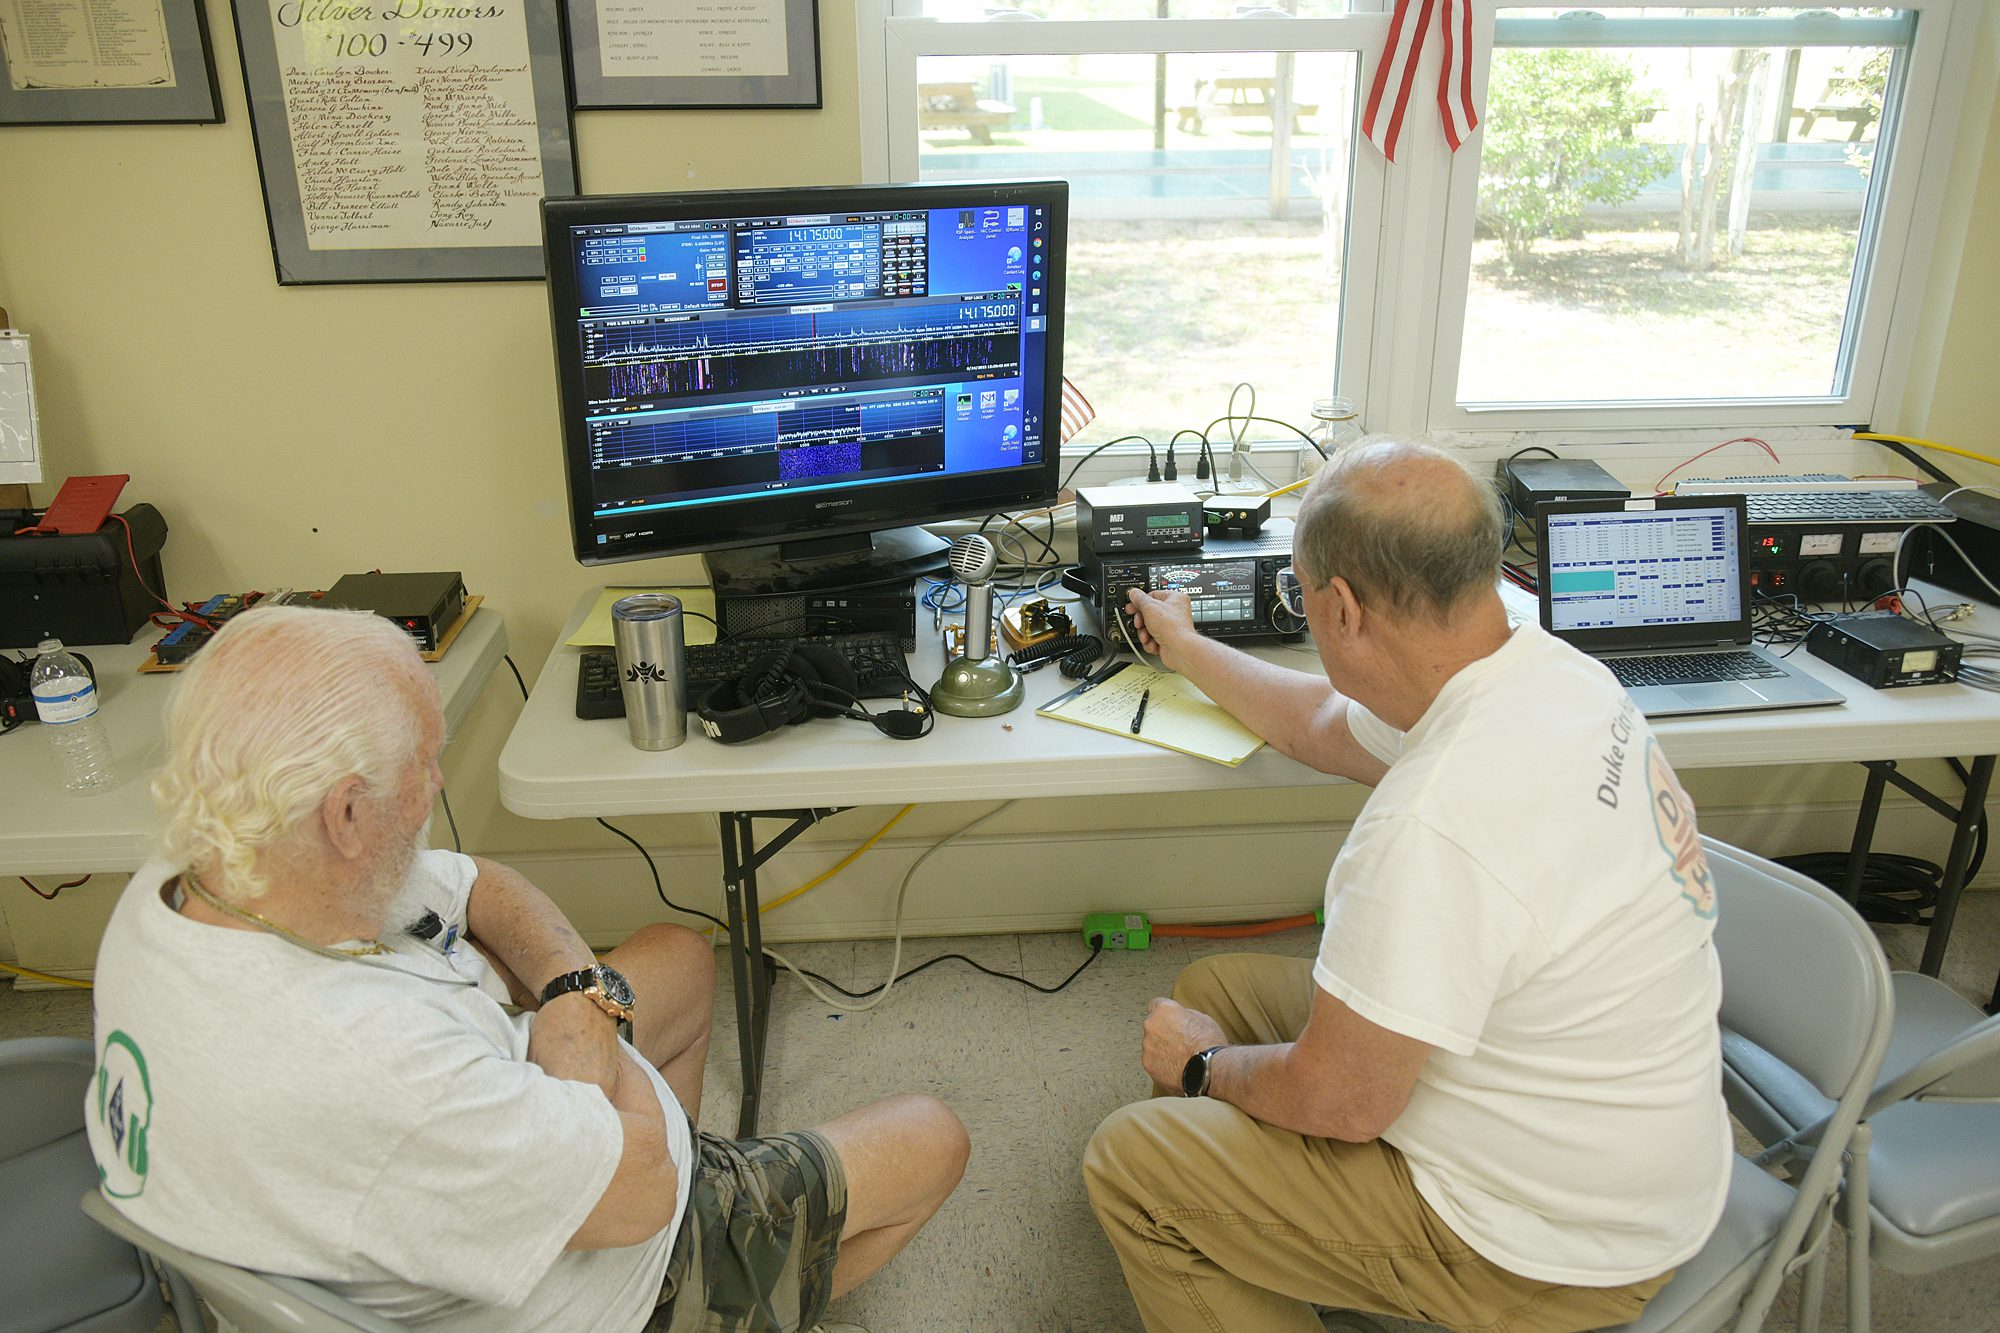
(291, 435)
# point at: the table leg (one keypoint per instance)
(1864, 828)
(739, 882)
(1963, 835)
(749, 971)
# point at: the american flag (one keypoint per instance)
(1396, 74)
(1076, 410)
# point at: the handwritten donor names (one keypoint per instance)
(79, 44)
(692, 38)
(413, 123)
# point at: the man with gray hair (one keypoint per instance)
(1514, 999)
(308, 1064)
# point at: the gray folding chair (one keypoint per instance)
(1803, 975)
(58, 1270)
(253, 1302)
(1804, 978)
(1923, 1175)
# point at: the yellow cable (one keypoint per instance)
(1931, 444)
(845, 862)
(44, 976)
(1286, 490)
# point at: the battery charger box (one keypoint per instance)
(82, 588)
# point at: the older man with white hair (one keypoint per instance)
(308, 1065)
(1493, 1101)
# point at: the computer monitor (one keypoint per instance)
(784, 381)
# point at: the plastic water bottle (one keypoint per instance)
(66, 702)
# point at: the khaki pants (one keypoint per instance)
(1227, 1225)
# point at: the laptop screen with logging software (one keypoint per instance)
(1659, 574)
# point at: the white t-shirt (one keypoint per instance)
(1525, 892)
(350, 1122)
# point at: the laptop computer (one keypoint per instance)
(1658, 591)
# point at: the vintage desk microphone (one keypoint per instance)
(978, 684)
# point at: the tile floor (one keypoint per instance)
(1016, 1250)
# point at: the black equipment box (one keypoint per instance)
(1974, 548)
(82, 589)
(889, 607)
(1232, 584)
(1161, 516)
(1883, 649)
(1529, 482)
(425, 605)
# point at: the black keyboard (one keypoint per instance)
(1845, 507)
(1689, 668)
(875, 655)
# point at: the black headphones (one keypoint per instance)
(803, 681)
(17, 700)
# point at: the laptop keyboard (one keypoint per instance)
(1690, 668)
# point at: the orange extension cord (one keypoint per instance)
(1237, 932)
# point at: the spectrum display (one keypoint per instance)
(725, 359)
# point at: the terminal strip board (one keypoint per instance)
(187, 638)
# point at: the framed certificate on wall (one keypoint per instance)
(71, 62)
(406, 141)
(734, 54)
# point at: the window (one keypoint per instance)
(1214, 187)
(1671, 218)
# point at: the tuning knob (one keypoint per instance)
(1819, 581)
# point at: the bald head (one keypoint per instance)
(1408, 528)
(281, 707)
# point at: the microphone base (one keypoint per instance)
(984, 688)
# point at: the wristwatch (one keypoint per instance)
(1194, 1075)
(607, 988)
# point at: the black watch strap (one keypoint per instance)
(581, 979)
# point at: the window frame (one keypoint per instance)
(905, 42)
(1883, 305)
(1410, 226)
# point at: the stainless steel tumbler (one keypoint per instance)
(646, 632)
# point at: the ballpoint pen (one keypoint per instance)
(1101, 676)
(1139, 717)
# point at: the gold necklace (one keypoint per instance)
(265, 923)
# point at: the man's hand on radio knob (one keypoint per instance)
(1161, 620)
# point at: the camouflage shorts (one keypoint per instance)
(756, 1250)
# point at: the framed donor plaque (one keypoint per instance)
(70, 62)
(407, 140)
(694, 54)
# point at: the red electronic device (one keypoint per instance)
(82, 505)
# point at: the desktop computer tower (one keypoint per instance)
(887, 606)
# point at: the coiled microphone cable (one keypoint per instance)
(1073, 655)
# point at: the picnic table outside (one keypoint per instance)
(1236, 96)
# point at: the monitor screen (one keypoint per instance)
(1632, 569)
(804, 366)
(1657, 573)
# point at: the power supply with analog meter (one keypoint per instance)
(1830, 564)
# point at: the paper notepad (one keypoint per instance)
(698, 625)
(1178, 716)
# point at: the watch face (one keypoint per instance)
(1194, 1075)
(615, 987)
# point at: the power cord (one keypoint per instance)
(806, 977)
(1895, 889)
(52, 894)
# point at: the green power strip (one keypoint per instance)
(1118, 930)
